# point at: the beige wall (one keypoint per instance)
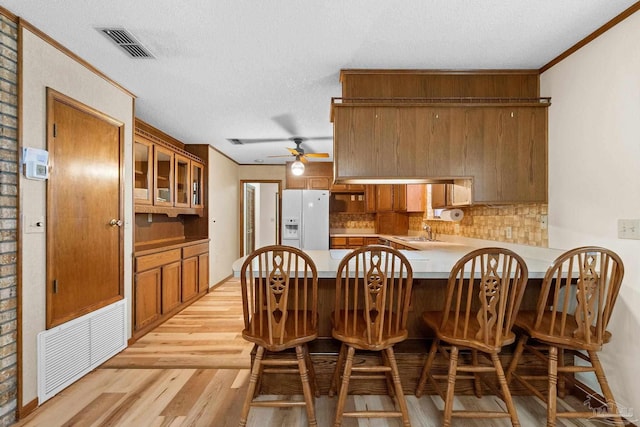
(45, 66)
(594, 158)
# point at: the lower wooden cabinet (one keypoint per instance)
(146, 298)
(351, 242)
(166, 281)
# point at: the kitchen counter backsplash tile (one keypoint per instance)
(352, 221)
(490, 223)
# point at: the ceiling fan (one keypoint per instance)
(299, 153)
(297, 167)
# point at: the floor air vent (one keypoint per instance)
(126, 41)
(69, 351)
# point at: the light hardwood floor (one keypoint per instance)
(193, 370)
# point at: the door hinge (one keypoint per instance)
(55, 130)
(55, 286)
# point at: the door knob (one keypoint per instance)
(115, 222)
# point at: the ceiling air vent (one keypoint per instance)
(235, 141)
(126, 41)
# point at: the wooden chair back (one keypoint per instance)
(483, 296)
(279, 297)
(373, 292)
(577, 297)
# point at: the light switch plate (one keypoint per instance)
(629, 229)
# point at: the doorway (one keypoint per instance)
(260, 208)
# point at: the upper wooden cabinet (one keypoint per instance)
(168, 179)
(316, 176)
(487, 127)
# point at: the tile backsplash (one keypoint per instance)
(480, 222)
(492, 223)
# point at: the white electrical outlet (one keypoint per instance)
(508, 232)
(544, 219)
(629, 229)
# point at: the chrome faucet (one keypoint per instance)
(427, 229)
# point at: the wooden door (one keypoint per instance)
(203, 272)
(146, 298)
(384, 197)
(250, 215)
(189, 278)
(84, 210)
(171, 279)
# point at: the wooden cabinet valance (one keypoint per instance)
(316, 176)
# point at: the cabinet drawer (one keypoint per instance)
(338, 241)
(356, 241)
(156, 260)
(194, 250)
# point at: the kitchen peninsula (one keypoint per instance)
(431, 262)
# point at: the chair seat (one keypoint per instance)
(357, 337)
(562, 338)
(295, 332)
(448, 334)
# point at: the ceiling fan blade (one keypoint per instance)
(317, 155)
(286, 122)
(317, 138)
(303, 159)
(285, 155)
(294, 152)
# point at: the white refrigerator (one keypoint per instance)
(305, 219)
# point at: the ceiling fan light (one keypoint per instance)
(297, 167)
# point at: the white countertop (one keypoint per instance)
(434, 260)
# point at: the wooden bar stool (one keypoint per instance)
(373, 291)
(483, 296)
(280, 304)
(575, 304)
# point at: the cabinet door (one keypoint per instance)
(146, 306)
(370, 198)
(189, 278)
(415, 197)
(197, 185)
(182, 181)
(171, 277)
(163, 172)
(384, 198)
(143, 154)
(203, 272)
(319, 183)
(438, 196)
(400, 197)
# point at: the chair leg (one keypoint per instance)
(606, 390)
(402, 403)
(562, 387)
(312, 372)
(506, 393)
(388, 375)
(306, 387)
(336, 371)
(427, 368)
(513, 365)
(552, 390)
(253, 380)
(451, 385)
(344, 387)
(477, 386)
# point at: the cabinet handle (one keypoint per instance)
(115, 223)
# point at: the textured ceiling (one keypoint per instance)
(268, 69)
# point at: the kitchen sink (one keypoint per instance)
(414, 239)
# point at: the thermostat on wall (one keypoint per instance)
(36, 163)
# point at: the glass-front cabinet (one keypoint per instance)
(143, 172)
(183, 179)
(197, 187)
(164, 176)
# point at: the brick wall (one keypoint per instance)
(8, 218)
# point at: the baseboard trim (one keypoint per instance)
(220, 282)
(27, 409)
